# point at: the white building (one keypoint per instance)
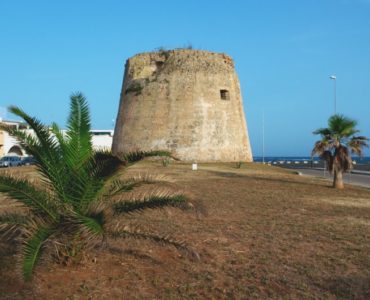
(102, 139)
(8, 144)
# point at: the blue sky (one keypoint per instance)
(284, 53)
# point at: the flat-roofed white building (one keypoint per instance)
(101, 139)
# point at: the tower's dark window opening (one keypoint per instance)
(225, 95)
(159, 64)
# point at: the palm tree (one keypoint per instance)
(338, 142)
(76, 203)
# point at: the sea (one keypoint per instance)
(272, 159)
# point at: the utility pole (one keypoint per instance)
(333, 77)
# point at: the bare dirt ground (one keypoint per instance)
(261, 232)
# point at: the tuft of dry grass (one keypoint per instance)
(262, 232)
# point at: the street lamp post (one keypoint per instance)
(333, 77)
(263, 137)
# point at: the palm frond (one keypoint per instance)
(76, 179)
(22, 191)
(98, 180)
(10, 223)
(156, 201)
(85, 230)
(78, 133)
(92, 182)
(13, 219)
(324, 132)
(79, 184)
(32, 250)
(44, 143)
(75, 151)
(119, 186)
(93, 223)
(356, 144)
(79, 118)
(342, 126)
(44, 147)
(136, 233)
(40, 130)
(60, 137)
(320, 147)
(89, 193)
(104, 164)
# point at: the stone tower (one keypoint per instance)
(184, 101)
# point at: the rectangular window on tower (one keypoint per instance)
(225, 95)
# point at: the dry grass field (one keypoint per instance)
(261, 233)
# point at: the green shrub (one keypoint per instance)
(135, 87)
(165, 162)
(76, 206)
(164, 52)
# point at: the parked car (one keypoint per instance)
(28, 161)
(10, 161)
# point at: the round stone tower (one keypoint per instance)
(185, 101)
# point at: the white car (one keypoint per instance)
(10, 161)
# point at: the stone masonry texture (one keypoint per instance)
(184, 101)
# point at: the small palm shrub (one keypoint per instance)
(165, 162)
(77, 203)
(338, 141)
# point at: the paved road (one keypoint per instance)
(355, 179)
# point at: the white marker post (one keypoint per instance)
(194, 166)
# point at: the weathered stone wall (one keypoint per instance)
(171, 100)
